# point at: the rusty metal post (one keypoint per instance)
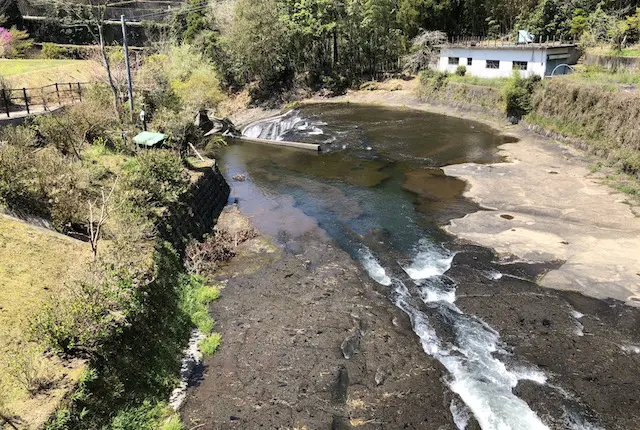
(6, 103)
(26, 100)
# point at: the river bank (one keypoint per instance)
(545, 204)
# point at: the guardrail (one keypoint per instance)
(20, 101)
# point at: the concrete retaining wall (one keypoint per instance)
(472, 98)
(196, 214)
(612, 62)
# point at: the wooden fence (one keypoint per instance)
(37, 100)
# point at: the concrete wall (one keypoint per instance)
(195, 216)
(535, 57)
(613, 63)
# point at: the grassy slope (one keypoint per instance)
(38, 73)
(34, 263)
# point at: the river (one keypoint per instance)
(377, 190)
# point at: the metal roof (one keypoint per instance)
(147, 138)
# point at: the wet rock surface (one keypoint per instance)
(587, 348)
(309, 341)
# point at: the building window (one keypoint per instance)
(454, 61)
(520, 65)
(493, 64)
(469, 61)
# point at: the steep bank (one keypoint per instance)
(546, 205)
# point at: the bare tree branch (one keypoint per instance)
(95, 226)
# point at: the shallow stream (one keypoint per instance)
(378, 192)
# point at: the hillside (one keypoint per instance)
(47, 261)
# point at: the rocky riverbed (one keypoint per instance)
(310, 342)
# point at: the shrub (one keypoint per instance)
(14, 43)
(201, 90)
(518, 95)
(178, 126)
(95, 310)
(73, 128)
(210, 345)
(51, 51)
(31, 371)
(155, 179)
(432, 80)
(461, 70)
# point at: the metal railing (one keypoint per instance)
(37, 100)
(464, 41)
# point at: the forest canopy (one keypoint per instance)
(274, 44)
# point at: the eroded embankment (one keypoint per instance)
(545, 205)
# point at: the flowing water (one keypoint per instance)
(377, 191)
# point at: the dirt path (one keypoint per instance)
(309, 343)
(546, 205)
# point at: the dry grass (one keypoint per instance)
(34, 263)
(38, 73)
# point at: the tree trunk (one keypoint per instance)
(335, 48)
(107, 66)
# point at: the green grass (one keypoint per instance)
(173, 423)
(631, 52)
(196, 297)
(206, 295)
(37, 73)
(483, 82)
(34, 263)
(211, 344)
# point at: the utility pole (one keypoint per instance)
(126, 60)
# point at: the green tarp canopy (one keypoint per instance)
(149, 139)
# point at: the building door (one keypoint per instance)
(552, 63)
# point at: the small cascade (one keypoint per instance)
(280, 127)
(483, 382)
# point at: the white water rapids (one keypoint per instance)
(277, 127)
(481, 380)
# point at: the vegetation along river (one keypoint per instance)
(516, 356)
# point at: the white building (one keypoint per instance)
(500, 61)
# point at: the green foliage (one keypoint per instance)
(201, 90)
(518, 95)
(173, 423)
(432, 80)
(210, 345)
(258, 43)
(182, 78)
(94, 311)
(147, 416)
(195, 298)
(51, 51)
(207, 295)
(461, 70)
(14, 43)
(156, 179)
